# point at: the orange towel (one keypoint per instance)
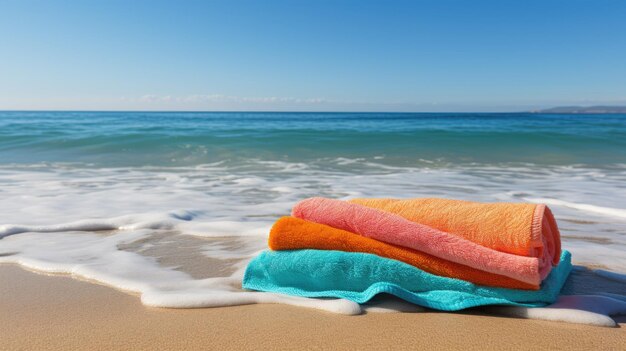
(519, 228)
(290, 233)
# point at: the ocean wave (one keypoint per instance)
(605, 211)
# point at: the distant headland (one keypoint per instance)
(583, 109)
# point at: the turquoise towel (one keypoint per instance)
(360, 276)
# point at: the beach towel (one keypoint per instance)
(395, 229)
(360, 276)
(523, 229)
(290, 233)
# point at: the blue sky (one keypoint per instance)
(311, 55)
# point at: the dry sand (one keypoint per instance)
(40, 312)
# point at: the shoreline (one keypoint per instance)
(56, 312)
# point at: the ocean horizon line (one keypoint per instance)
(283, 112)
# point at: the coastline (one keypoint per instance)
(57, 312)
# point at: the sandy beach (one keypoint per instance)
(60, 313)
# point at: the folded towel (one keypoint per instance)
(391, 228)
(290, 233)
(518, 228)
(360, 276)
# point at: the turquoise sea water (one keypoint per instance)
(173, 205)
(406, 139)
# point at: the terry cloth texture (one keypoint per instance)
(359, 277)
(395, 229)
(519, 228)
(290, 233)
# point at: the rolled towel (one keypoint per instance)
(523, 229)
(359, 277)
(391, 228)
(290, 233)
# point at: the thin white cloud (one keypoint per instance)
(219, 98)
(222, 102)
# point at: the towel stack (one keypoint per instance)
(437, 253)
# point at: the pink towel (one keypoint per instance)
(394, 229)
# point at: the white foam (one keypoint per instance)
(141, 221)
(606, 211)
(225, 228)
(579, 309)
(98, 258)
(391, 305)
(192, 299)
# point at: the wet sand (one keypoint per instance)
(60, 313)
